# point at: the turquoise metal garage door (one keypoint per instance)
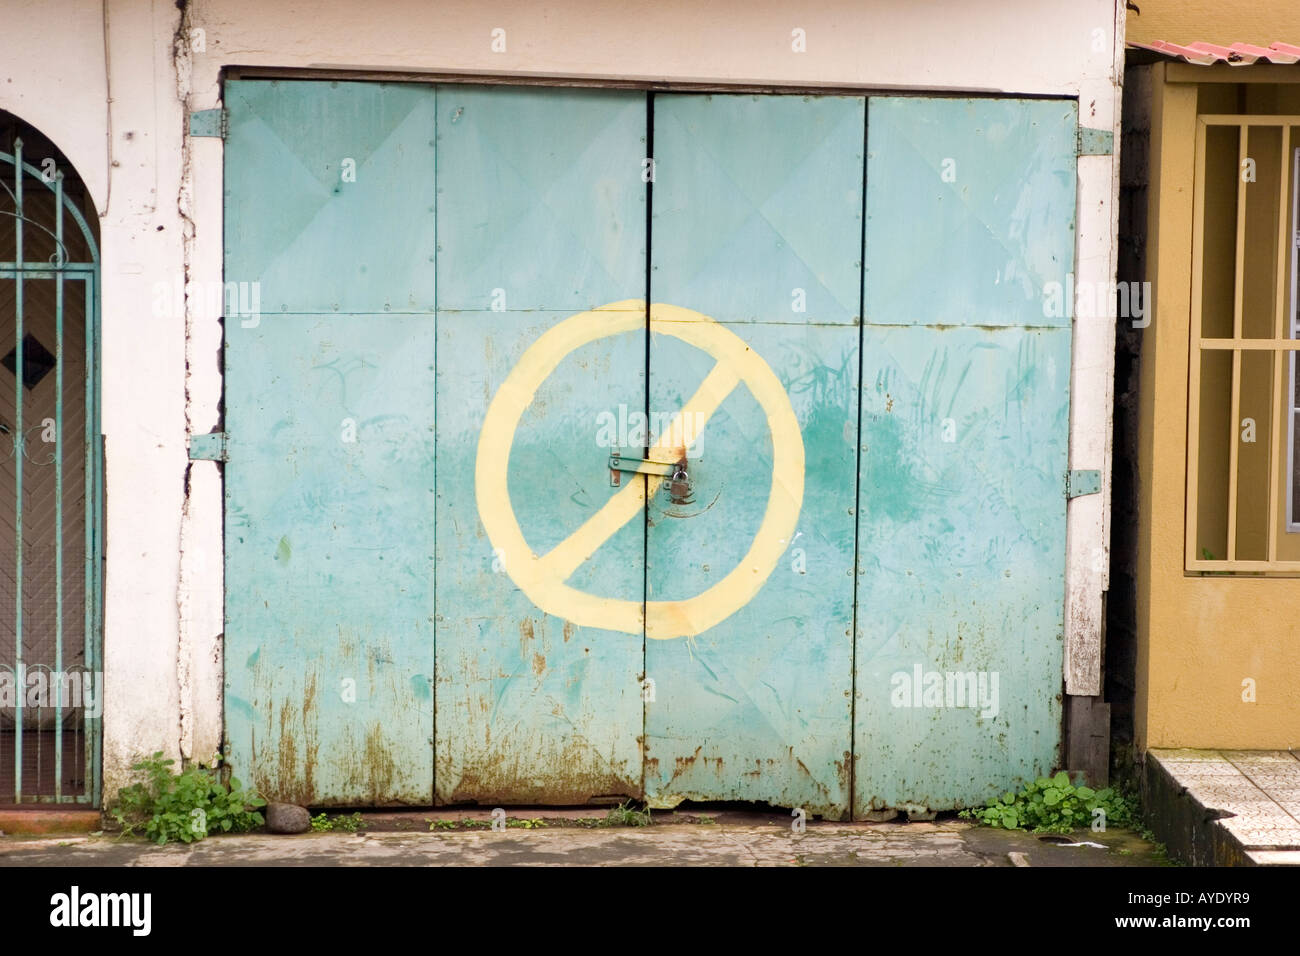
(620, 558)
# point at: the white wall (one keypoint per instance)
(159, 194)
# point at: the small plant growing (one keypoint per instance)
(464, 823)
(322, 823)
(186, 806)
(627, 815)
(1054, 805)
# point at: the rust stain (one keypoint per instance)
(568, 631)
(310, 737)
(527, 634)
(576, 773)
(378, 764)
(682, 764)
(287, 752)
(539, 665)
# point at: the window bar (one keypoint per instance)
(1260, 119)
(1293, 250)
(19, 677)
(1191, 554)
(93, 512)
(1238, 297)
(59, 262)
(1252, 345)
(1279, 330)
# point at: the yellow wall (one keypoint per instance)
(1216, 21)
(1199, 636)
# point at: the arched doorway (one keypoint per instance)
(51, 683)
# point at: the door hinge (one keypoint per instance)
(209, 123)
(1082, 482)
(210, 447)
(1094, 142)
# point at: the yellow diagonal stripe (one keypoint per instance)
(565, 558)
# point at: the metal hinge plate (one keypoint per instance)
(1083, 482)
(210, 447)
(209, 123)
(1094, 142)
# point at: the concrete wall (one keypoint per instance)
(112, 82)
(1186, 21)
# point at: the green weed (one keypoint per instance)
(1055, 805)
(186, 806)
(322, 823)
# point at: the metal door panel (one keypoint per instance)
(542, 200)
(961, 550)
(754, 198)
(541, 197)
(757, 197)
(970, 210)
(329, 558)
(329, 413)
(329, 199)
(965, 427)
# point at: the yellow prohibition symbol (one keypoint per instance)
(543, 578)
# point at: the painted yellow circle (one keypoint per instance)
(542, 578)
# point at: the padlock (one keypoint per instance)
(679, 486)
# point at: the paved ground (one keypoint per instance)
(1230, 806)
(733, 839)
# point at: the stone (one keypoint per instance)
(287, 818)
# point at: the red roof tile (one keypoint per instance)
(1239, 54)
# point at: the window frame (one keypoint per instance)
(1279, 345)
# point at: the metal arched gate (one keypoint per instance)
(51, 680)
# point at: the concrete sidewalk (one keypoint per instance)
(736, 840)
(1226, 807)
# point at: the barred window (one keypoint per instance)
(1243, 477)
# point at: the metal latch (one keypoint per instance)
(1082, 482)
(210, 447)
(619, 462)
